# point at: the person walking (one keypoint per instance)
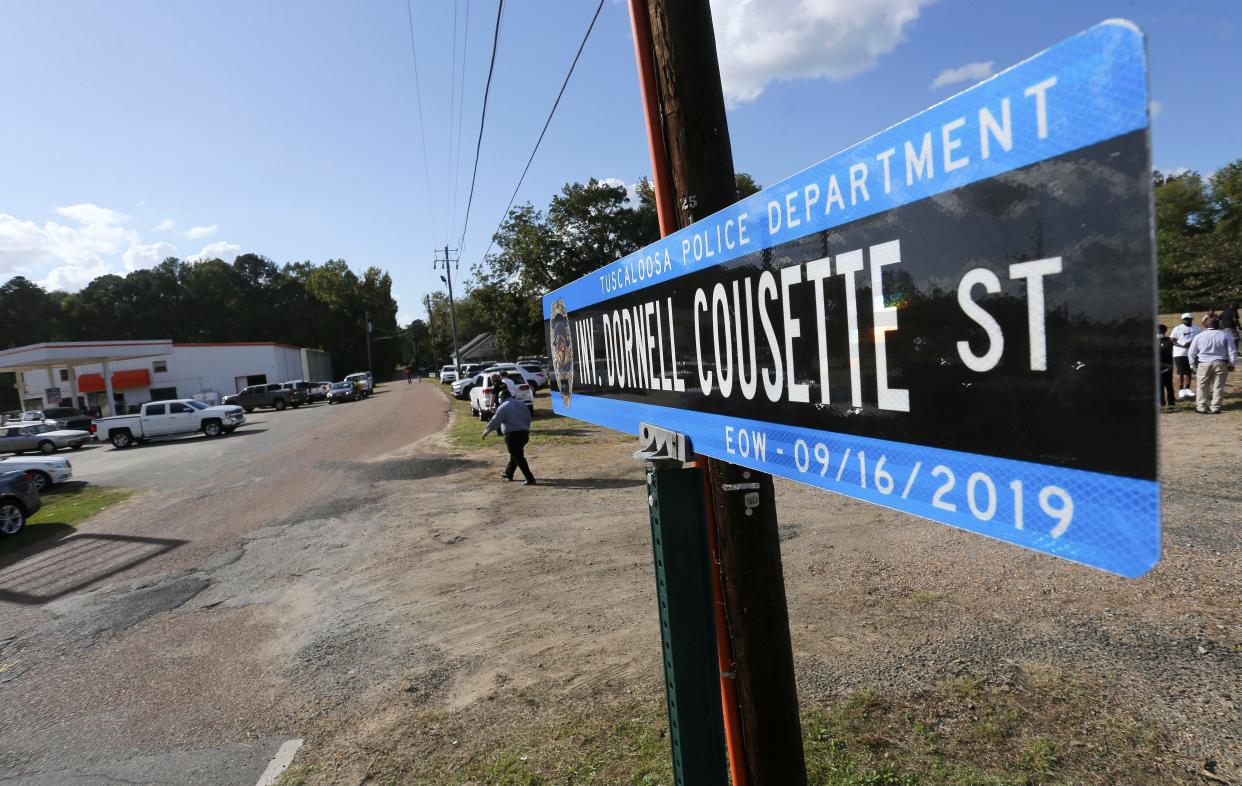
(1229, 320)
(1182, 335)
(409, 374)
(1213, 354)
(512, 419)
(1164, 346)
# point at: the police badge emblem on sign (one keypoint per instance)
(562, 351)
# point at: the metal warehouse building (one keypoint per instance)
(81, 374)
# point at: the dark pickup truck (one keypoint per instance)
(275, 396)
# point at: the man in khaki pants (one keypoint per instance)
(1213, 354)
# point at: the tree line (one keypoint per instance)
(249, 299)
(1199, 238)
(585, 226)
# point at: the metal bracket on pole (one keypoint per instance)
(664, 448)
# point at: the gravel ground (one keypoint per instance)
(546, 594)
(361, 588)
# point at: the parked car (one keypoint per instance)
(536, 374)
(324, 387)
(342, 391)
(461, 388)
(275, 396)
(22, 437)
(481, 400)
(19, 500)
(60, 417)
(510, 368)
(47, 471)
(167, 419)
(310, 389)
(363, 380)
(448, 375)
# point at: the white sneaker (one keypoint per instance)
(1187, 393)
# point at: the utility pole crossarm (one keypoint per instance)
(449, 262)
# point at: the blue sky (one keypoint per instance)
(138, 130)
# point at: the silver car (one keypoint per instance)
(20, 438)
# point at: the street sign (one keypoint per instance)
(954, 318)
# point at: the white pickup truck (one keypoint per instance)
(166, 419)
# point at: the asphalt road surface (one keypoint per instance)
(153, 645)
(190, 459)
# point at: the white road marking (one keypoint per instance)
(282, 759)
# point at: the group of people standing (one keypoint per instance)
(1201, 356)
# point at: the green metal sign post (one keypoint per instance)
(687, 630)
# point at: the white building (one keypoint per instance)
(67, 374)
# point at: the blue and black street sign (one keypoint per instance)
(954, 318)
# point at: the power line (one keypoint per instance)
(451, 193)
(418, 94)
(500, 7)
(461, 104)
(491, 241)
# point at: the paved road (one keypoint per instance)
(154, 645)
(188, 460)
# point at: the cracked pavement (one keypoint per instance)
(160, 644)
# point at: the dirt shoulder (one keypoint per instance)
(526, 643)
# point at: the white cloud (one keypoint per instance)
(89, 214)
(165, 225)
(222, 250)
(759, 42)
(75, 253)
(194, 233)
(22, 243)
(140, 256)
(1154, 108)
(971, 72)
(73, 277)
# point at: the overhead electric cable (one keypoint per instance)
(500, 7)
(491, 241)
(461, 104)
(450, 215)
(418, 95)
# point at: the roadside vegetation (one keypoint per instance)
(63, 510)
(1043, 726)
(547, 428)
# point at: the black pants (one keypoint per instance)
(1168, 397)
(516, 441)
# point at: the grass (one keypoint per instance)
(1044, 727)
(64, 508)
(1039, 727)
(547, 428)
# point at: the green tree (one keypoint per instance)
(1183, 205)
(1226, 193)
(1199, 238)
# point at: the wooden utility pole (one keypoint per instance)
(696, 142)
(448, 279)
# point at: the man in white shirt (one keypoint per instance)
(1182, 335)
(1213, 355)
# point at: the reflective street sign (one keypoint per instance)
(954, 318)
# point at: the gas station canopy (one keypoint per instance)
(51, 355)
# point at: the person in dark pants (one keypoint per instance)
(1164, 344)
(512, 419)
(1229, 320)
